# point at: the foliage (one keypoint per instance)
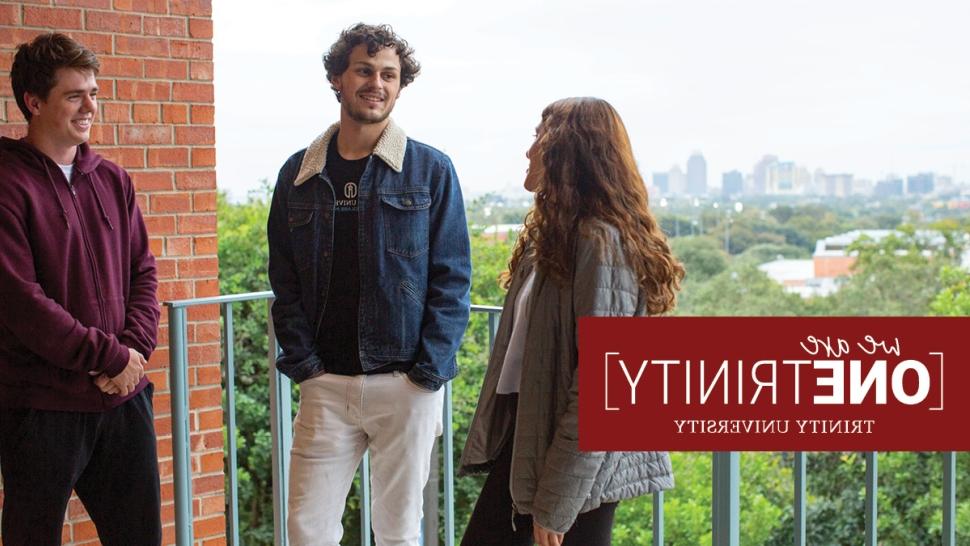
(702, 257)
(896, 276)
(243, 255)
(954, 298)
(739, 291)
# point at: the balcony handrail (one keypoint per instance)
(725, 508)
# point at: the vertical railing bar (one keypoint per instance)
(365, 531)
(658, 518)
(281, 429)
(449, 467)
(725, 513)
(431, 497)
(492, 327)
(229, 357)
(949, 498)
(872, 485)
(799, 472)
(181, 447)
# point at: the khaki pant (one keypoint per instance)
(342, 416)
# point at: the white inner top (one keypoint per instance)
(511, 376)
(68, 170)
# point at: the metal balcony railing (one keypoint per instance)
(725, 509)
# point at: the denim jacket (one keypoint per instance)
(415, 265)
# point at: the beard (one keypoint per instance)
(362, 114)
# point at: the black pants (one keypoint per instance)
(491, 521)
(109, 458)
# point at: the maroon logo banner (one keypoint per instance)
(774, 383)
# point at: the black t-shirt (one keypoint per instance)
(338, 344)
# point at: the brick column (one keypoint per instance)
(157, 121)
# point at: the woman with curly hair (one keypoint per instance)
(590, 247)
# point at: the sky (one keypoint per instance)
(858, 86)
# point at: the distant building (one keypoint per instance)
(677, 181)
(732, 184)
(862, 186)
(944, 184)
(833, 261)
(661, 181)
(834, 185)
(832, 258)
(919, 184)
(697, 174)
(786, 178)
(798, 277)
(759, 175)
(890, 187)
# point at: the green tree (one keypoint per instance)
(743, 290)
(243, 255)
(702, 257)
(954, 297)
(892, 276)
(897, 276)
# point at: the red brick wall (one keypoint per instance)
(156, 120)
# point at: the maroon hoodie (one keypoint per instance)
(77, 280)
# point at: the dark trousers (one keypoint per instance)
(491, 521)
(109, 458)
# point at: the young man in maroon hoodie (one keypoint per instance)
(78, 316)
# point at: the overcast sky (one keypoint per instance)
(858, 86)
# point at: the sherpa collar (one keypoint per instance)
(390, 147)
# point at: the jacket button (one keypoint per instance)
(407, 202)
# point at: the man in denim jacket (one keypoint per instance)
(369, 260)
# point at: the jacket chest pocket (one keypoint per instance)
(302, 222)
(406, 222)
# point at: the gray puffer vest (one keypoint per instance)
(551, 478)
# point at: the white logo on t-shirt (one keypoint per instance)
(350, 190)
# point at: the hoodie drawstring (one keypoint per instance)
(50, 181)
(97, 197)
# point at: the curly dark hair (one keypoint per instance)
(376, 37)
(35, 65)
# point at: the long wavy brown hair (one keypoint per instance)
(588, 173)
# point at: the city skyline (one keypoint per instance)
(715, 181)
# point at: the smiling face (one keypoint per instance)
(64, 119)
(370, 85)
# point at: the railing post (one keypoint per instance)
(449, 467)
(365, 533)
(799, 472)
(949, 498)
(872, 487)
(431, 498)
(228, 340)
(726, 498)
(281, 429)
(492, 327)
(181, 447)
